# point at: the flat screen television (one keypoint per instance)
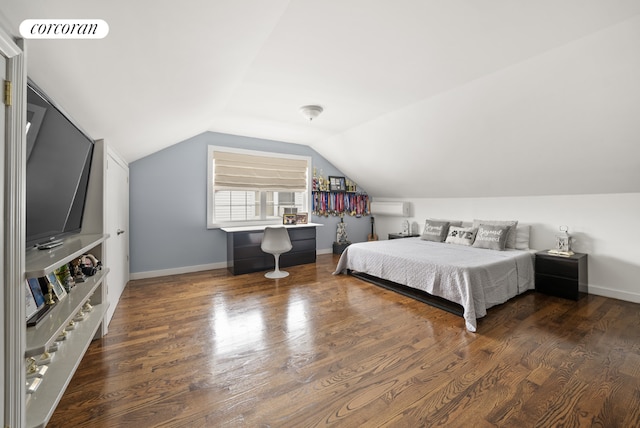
(59, 156)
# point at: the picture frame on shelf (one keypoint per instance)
(337, 184)
(289, 218)
(302, 218)
(36, 291)
(58, 289)
(31, 307)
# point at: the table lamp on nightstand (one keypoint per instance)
(406, 228)
(563, 243)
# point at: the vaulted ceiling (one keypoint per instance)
(422, 98)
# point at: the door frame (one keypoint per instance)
(13, 308)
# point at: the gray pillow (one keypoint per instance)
(457, 223)
(491, 237)
(511, 238)
(435, 230)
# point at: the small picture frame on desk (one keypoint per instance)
(302, 218)
(337, 184)
(58, 289)
(289, 218)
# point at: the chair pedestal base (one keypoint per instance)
(276, 274)
(276, 241)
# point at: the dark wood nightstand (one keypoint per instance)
(338, 248)
(562, 276)
(400, 235)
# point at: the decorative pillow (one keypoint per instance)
(435, 230)
(511, 238)
(461, 235)
(522, 236)
(491, 237)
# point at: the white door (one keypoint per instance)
(117, 211)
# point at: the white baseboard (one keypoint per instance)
(177, 271)
(191, 269)
(614, 294)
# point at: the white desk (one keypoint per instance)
(263, 226)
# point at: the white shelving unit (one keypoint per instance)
(40, 405)
(64, 362)
(40, 337)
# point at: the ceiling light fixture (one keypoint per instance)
(311, 111)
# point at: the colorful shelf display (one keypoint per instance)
(340, 203)
(327, 202)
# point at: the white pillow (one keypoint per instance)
(461, 235)
(522, 236)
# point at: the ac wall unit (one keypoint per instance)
(398, 209)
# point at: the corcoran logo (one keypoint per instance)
(64, 29)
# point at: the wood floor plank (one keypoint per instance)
(210, 349)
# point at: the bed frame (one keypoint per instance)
(414, 293)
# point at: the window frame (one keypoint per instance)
(211, 223)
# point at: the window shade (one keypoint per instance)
(234, 171)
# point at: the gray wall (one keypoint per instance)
(168, 205)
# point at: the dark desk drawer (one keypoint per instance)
(247, 252)
(303, 245)
(302, 233)
(254, 264)
(293, 259)
(246, 238)
(257, 264)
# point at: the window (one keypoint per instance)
(251, 187)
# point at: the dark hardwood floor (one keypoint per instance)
(214, 350)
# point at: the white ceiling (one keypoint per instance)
(405, 85)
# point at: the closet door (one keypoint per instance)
(117, 212)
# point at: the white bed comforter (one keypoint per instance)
(475, 278)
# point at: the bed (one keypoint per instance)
(474, 278)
